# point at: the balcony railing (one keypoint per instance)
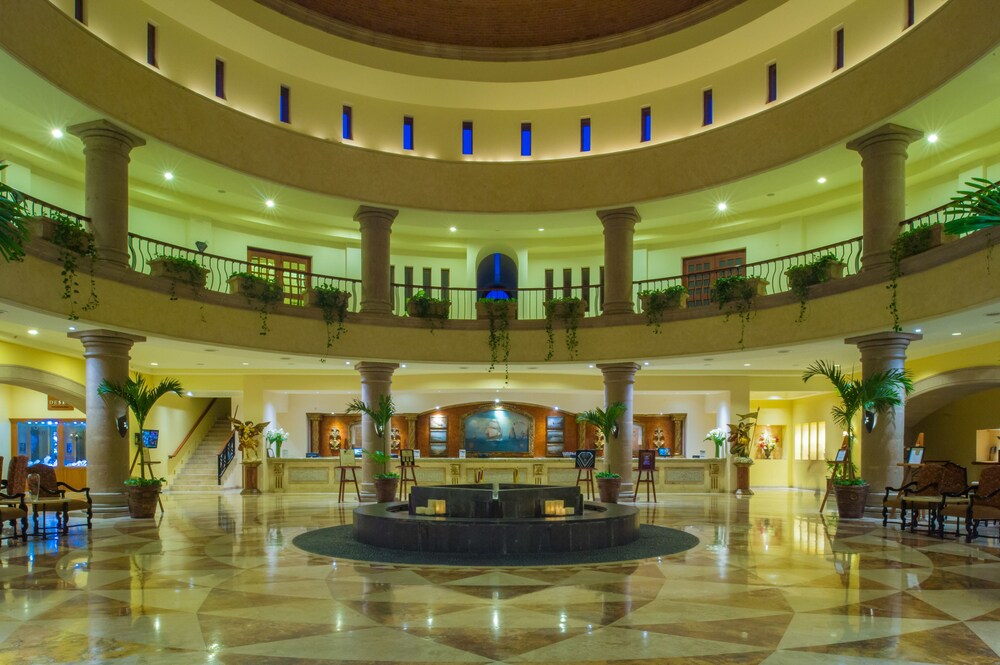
(37, 208)
(938, 215)
(530, 301)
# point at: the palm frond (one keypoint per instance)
(13, 228)
(138, 395)
(974, 209)
(604, 420)
(381, 414)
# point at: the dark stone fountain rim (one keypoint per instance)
(395, 510)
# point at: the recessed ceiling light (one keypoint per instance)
(438, 406)
(190, 394)
(775, 397)
(347, 362)
(32, 331)
(646, 362)
(746, 364)
(722, 206)
(403, 365)
(72, 328)
(955, 334)
(932, 138)
(453, 229)
(154, 364)
(918, 330)
(168, 175)
(541, 229)
(496, 401)
(556, 408)
(821, 180)
(57, 133)
(590, 366)
(245, 364)
(269, 203)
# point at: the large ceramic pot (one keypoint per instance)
(742, 480)
(142, 501)
(385, 489)
(608, 489)
(851, 500)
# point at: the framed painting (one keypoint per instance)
(498, 431)
(439, 436)
(647, 459)
(554, 422)
(439, 422)
(554, 436)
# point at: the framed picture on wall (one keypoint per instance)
(554, 422)
(439, 422)
(554, 436)
(439, 436)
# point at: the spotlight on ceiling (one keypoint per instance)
(57, 133)
(269, 203)
(932, 138)
(722, 206)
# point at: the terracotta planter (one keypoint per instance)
(677, 301)
(608, 489)
(742, 480)
(142, 501)
(851, 500)
(483, 310)
(161, 267)
(431, 310)
(385, 489)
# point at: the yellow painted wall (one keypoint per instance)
(174, 416)
(66, 366)
(18, 403)
(950, 432)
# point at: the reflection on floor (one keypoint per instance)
(218, 581)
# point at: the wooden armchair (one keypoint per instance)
(925, 482)
(955, 491)
(984, 503)
(17, 476)
(12, 509)
(50, 488)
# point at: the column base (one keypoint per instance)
(367, 492)
(109, 504)
(626, 491)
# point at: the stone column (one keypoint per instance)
(411, 431)
(376, 226)
(619, 230)
(679, 445)
(883, 164)
(106, 149)
(619, 379)
(315, 420)
(882, 450)
(107, 356)
(376, 380)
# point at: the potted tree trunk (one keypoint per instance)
(608, 482)
(876, 395)
(385, 481)
(139, 396)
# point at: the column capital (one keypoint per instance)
(887, 339)
(619, 370)
(102, 341)
(892, 136)
(105, 130)
(619, 215)
(373, 213)
(375, 371)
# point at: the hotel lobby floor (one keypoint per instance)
(217, 580)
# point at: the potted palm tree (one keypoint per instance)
(876, 395)
(139, 396)
(381, 415)
(608, 483)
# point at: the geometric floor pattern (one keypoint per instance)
(216, 580)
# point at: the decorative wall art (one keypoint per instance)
(498, 431)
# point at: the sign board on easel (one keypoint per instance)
(836, 465)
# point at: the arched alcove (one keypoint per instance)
(496, 277)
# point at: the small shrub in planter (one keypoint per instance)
(423, 306)
(739, 293)
(179, 269)
(656, 301)
(75, 243)
(265, 292)
(143, 495)
(609, 485)
(820, 270)
(568, 310)
(13, 227)
(908, 243)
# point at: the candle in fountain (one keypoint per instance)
(439, 507)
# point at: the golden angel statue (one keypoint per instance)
(249, 435)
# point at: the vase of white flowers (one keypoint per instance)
(276, 437)
(717, 436)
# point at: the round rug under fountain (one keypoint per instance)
(502, 525)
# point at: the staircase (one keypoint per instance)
(200, 472)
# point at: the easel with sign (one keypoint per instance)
(142, 458)
(837, 465)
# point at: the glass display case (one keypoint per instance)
(59, 443)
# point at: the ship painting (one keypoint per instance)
(498, 431)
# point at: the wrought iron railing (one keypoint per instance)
(38, 208)
(938, 215)
(142, 250)
(227, 455)
(530, 301)
(699, 284)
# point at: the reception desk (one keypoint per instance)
(319, 474)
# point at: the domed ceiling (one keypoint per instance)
(456, 25)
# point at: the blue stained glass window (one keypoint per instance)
(707, 107)
(647, 124)
(467, 138)
(347, 124)
(407, 133)
(585, 135)
(525, 139)
(285, 105)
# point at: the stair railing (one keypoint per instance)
(226, 455)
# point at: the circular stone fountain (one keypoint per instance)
(508, 519)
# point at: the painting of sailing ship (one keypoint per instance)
(498, 431)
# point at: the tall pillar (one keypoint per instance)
(619, 231)
(882, 449)
(106, 149)
(883, 164)
(315, 420)
(619, 379)
(107, 356)
(376, 227)
(376, 380)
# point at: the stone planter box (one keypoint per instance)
(45, 228)
(937, 238)
(483, 310)
(341, 299)
(432, 310)
(254, 288)
(833, 271)
(567, 310)
(161, 267)
(662, 301)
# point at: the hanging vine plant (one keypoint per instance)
(333, 303)
(179, 269)
(498, 312)
(740, 294)
(908, 243)
(656, 301)
(266, 293)
(820, 270)
(568, 310)
(75, 243)
(423, 306)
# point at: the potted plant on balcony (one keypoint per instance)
(423, 306)
(656, 301)
(876, 395)
(974, 209)
(333, 303)
(139, 397)
(740, 438)
(608, 482)
(179, 269)
(499, 312)
(819, 270)
(256, 288)
(381, 416)
(13, 228)
(569, 310)
(736, 295)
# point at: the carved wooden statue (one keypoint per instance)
(249, 435)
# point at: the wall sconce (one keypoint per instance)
(201, 245)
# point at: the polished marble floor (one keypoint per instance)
(217, 580)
